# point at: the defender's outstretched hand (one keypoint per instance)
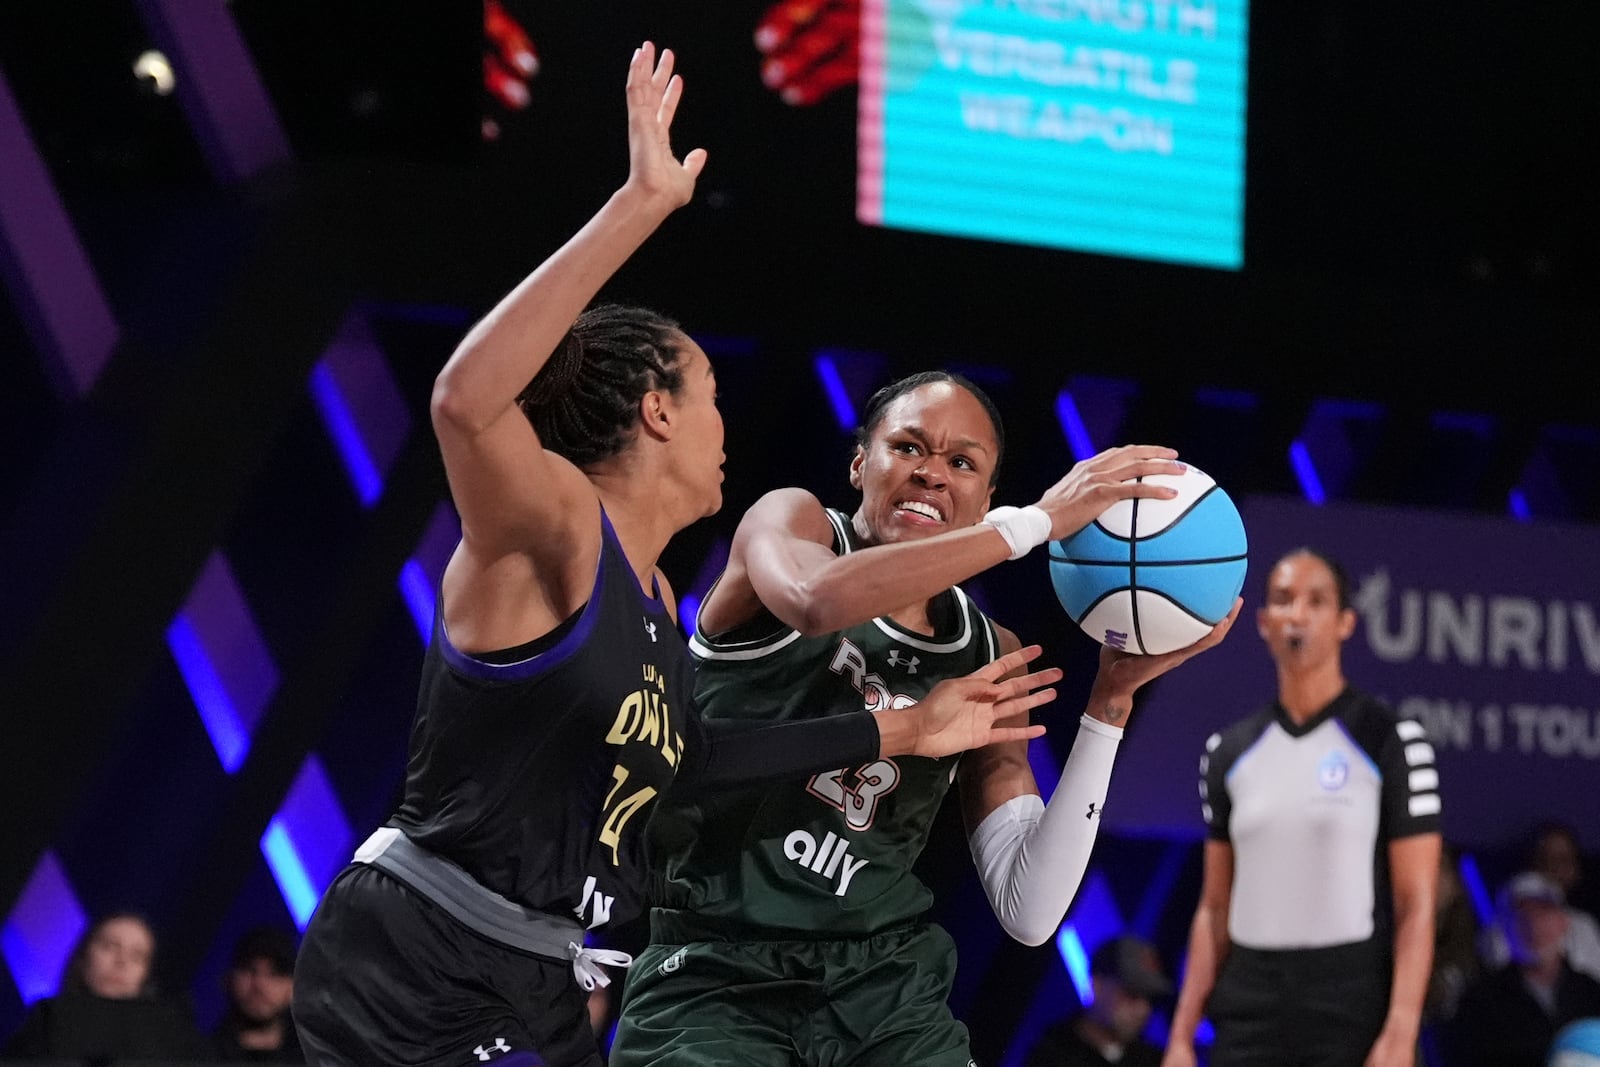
(959, 714)
(653, 95)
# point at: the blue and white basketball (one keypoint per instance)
(1151, 576)
(1577, 1045)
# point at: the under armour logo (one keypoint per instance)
(483, 1052)
(909, 662)
(672, 962)
(650, 628)
(1094, 809)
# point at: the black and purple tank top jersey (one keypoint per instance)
(537, 772)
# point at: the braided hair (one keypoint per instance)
(584, 402)
(878, 406)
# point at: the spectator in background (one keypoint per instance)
(260, 987)
(1553, 852)
(1456, 937)
(1556, 853)
(1509, 1017)
(1126, 977)
(1455, 944)
(108, 1005)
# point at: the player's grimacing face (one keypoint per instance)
(1302, 622)
(927, 466)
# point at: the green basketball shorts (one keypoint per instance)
(880, 1001)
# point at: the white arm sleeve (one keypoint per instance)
(1032, 856)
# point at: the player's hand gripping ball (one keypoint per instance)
(1152, 576)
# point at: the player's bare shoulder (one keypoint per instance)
(787, 512)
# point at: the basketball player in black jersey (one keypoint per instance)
(555, 705)
(1313, 940)
(793, 927)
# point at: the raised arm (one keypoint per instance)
(1030, 855)
(530, 530)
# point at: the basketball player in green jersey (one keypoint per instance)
(792, 929)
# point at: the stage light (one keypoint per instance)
(307, 841)
(361, 406)
(1091, 410)
(848, 377)
(715, 562)
(44, 924)
(154, 73)
(419, 578)
(1334, 444)
(224, 661)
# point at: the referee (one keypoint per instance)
(1313, 940)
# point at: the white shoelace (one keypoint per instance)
(586, 964)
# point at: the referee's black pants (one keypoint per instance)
(1318, 1007)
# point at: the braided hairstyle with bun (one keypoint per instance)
(584, 402)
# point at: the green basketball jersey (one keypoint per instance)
(832, 854)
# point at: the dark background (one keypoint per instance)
(1422, 235)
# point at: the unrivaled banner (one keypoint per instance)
(1485, 630)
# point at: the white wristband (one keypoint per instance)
(1024, 529)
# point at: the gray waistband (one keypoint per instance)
(467, 901)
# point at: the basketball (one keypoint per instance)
(1578, 1045)
(1151, 576)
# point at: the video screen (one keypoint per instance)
(1106, 126)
